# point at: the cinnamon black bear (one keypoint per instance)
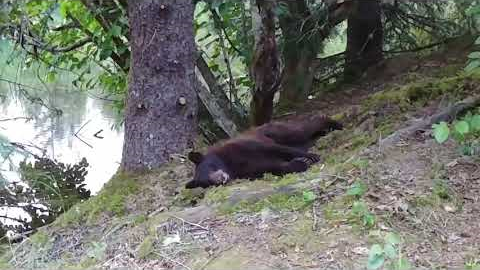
(277, 147)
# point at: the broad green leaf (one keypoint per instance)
(104, 54)
(477, 42)
(357, 189)
(475, 122)
(368, 220)
(116, 31)
(472, 65)
(359, 207)
(441, 132)
(390, 251)
(51, 76)
(474, 55)
(97, 250)
(64, 6)
(468, 117)
(393, 238)
(462, 127)
(473, 10)
(309, 196)
(375, 257)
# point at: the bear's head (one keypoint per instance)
(210, 170)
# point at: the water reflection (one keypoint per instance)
(67, 137)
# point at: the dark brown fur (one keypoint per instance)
(278, 148)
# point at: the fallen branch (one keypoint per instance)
(218, 114)
(190, 223)
(172, 260)
(448, 114)
(13, 219)
(16, 118)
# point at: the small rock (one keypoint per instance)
(360, 250)
(267, 215)
(383, 227)
(449, 208)
(171, 239)
(452, 164)
(453, 238)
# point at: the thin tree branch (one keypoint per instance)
(14, 219)
(231, 82)
(219, 22)
(16, 118)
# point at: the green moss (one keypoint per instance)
(299, 236)
(218, 194)
(87, 263)
(235, 258)
(426, 201)
(111, 200)
(73, 267)
(418, 93)
(190, 196)
(139, 219)
(153, 222)
(40, 239)
(441, 194)
(285, 180)
(390, 106)
(5, 256)
(472, 264)
(278, 202)
(146, 247)
(335, 211)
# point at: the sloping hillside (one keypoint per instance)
(400, 200)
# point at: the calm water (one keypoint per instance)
(83, 114)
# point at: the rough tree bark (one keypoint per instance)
(160, 116)
(265, 68)
(364, 38)
(107, 12)
(300, 54)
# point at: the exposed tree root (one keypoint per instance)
(448, 114)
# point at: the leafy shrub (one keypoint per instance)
(474, 57)
(388, 254)
(465, 131)
(48, 188)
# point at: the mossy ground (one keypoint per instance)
(111, 200)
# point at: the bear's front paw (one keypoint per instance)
(300, 164)
(314, 158)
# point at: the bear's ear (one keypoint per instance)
(191, 184)
(195, 157)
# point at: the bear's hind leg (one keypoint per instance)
(296, 165)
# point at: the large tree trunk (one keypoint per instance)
(265, 65)
(107, 12)
(364, 38)
(298, 56)
(300, 52)
(160, 116)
